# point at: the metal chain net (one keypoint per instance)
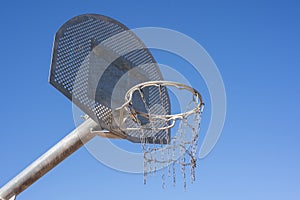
(181, 148)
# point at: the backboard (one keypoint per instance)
(95, 60)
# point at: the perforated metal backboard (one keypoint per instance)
(95, 61)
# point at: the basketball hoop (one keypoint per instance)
(180, 148)
(91, 55)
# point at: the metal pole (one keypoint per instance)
(49, 160)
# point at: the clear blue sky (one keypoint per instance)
(256, 46)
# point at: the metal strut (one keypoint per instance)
(49, 160)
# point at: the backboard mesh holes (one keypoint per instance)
(71, 65)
